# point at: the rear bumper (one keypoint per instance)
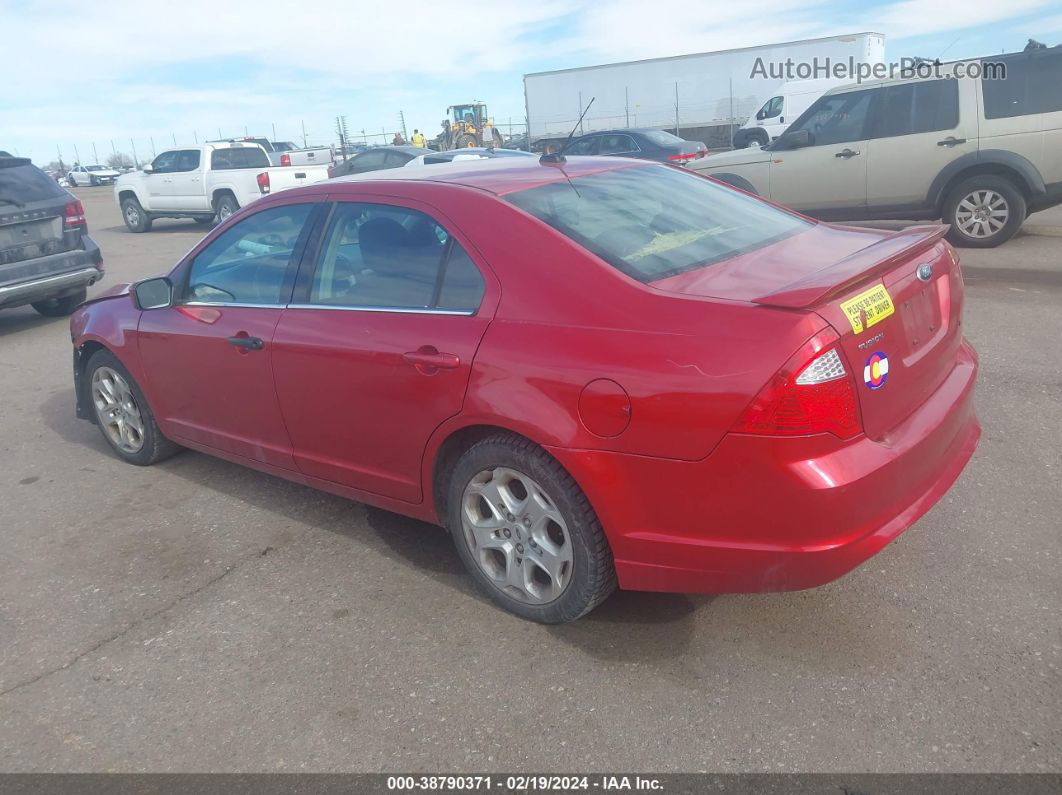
(52, 276)
(771, 514)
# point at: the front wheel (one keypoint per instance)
(136, 220)
(122, 414)
(984, 212)
(526, 532)
(93, 182)
(61, 307)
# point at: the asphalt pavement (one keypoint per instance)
(199, 616)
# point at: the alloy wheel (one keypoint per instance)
(516, 535)
(117, 410)
(982, 213)
(132, 215)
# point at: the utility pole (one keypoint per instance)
(303, 134)
(627, 104)
(220, 136)
(195, 136)
(274, 130)
(77, 157)
(95, 157)
(153, 152)
(113, 150)
(402, 124)
(580, 113)
(731, 111)
(245, 133)
(59, 152)
(133, 147)
(174, 138)
(676, 109)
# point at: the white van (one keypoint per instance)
(778, 112)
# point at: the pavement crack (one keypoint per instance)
(134, 625)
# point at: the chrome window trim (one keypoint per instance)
(391, 309)
(231, 304)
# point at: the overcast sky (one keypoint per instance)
(83, 72)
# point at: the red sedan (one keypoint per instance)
(592, 372)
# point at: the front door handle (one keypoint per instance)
(847, 153)
(428, 360)
(248, 343)
(951, 140)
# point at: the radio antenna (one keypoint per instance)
(557, 157)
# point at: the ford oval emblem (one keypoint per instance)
(925, 271)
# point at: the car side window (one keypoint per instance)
(250, 262)
(165, 163)
(772, 108)
(396, 159)
(367, 161)
(188, 160)
(617, 144)
(1031, 85)
(919, 107)
(584, 146)
(836, 118)
(376, 255)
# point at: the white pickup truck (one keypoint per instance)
(205, 182)
(285, 153)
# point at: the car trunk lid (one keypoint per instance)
(896, 304)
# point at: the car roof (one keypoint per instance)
(498, 175)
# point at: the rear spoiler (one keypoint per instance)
(868, 263)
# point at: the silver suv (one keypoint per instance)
(979, 153)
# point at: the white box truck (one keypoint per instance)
(702, 96)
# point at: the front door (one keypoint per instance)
(160, 181)
(831, 172)
(207, 357)
(376, 351)
(187, 182)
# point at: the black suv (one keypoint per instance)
(47, 258)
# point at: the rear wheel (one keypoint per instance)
(984, 211)
(226, 205)
(136, 220)
(61, 307)
(122, 414)
(526, 532)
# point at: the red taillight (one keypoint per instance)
(285, 159)
(683, 156)
(74, 216)
(812, 393)
(263, 182)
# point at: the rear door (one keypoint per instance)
(619, 144)
(831, 173)
(207, 358)
(376, 349)
(919, 127)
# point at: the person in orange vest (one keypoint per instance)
(418, 139)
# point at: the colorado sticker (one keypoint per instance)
(877, 370)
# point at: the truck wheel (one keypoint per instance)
(465, 140)
(526, 532)
(60, 307)
(226, 205)
(136, 220)
(983, 211)
(122, 413)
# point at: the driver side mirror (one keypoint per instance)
(153, 293)
(148, 168)
(794, 140)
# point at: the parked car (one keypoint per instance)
(658, 145)
(377, 159)
(204, 182)
(91, 175)
(468, 153)
(47, 258)
(617, 371)
(285, 153)
(980, 154)
(776, 114)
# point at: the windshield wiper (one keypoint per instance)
(15, 202)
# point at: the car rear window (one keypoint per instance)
(238, 157)
(651, 222)
(23, 183)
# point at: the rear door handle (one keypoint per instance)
(250, 343)
(951, 140)
(847, 153)
(428, 360)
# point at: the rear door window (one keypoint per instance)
(919, 107)
(617, 145)
(584, 146)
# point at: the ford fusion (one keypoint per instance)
(594, 373)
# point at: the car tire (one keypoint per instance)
(545, 535)
(60, 307)
(225, 206)
(972, 209)
(465, 140)
(122, 404)
(136, 219)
